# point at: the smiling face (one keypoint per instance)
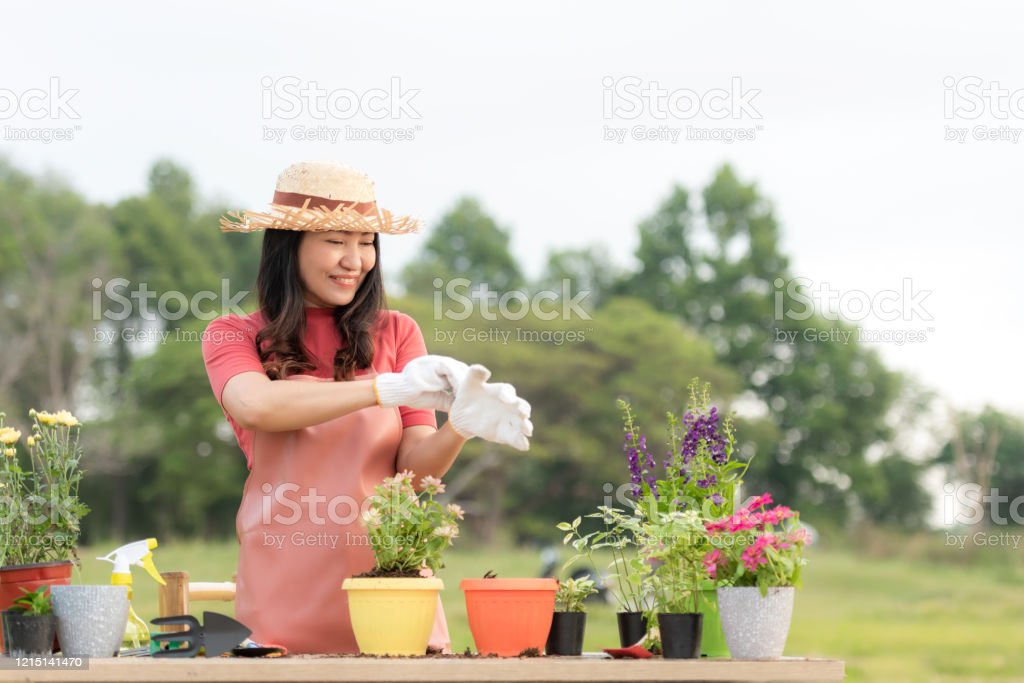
(333, 265)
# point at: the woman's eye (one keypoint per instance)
(366, 244)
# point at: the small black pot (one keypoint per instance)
(680, 635)
(29, 635)
(566, 635)
(632, 627)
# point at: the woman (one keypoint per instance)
(328, 393)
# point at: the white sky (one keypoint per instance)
(510, 105)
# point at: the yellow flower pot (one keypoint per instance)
(392, 616)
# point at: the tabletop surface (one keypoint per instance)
(442, 669)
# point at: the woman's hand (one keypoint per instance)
(425, 382)
(490, 411)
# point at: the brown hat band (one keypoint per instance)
(297, 199)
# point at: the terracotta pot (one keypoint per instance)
(30, 577)
(508, 616)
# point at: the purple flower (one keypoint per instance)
(633, 457)
(717, 499)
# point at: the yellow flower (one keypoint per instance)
(46, 418)
(31, 441)
(10, 452)
(9, 436)
(64, 417)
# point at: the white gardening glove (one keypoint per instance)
(425, 382)
(490, 411)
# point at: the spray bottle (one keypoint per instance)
(140, 554)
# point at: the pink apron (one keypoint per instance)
(301, 530)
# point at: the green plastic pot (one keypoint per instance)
(712, 643)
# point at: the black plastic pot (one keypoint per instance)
(28, 635)
(566, 635)
(680, 635)
(632, 627)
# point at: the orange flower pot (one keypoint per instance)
(30, 577)
(508, 616)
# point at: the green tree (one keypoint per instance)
(163, 246)
(986, 449)
(585, 270)
(719, 267)
(467, 243)
(52, 245)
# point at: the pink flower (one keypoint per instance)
(753, 557)
(712, 561)
(800, 535)
(776, 515)
(759, 501)
(741, 521)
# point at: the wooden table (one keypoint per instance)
(443, 670)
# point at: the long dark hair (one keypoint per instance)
(282, 301)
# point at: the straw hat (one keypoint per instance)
(319, 196)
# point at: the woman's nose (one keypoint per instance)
(350, 259)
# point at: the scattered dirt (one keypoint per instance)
(530, 652)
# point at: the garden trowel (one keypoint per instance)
(217, 635)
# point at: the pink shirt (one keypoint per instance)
(229, 348)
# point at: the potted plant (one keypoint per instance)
(756, 558)
(29, 625)
(392, 607)
(39, 504)
(570, 618)
(699, 473)
(675, 544)
(627, 569)
(509, 616)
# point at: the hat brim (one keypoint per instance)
(281, 217)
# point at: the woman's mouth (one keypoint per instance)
(344, 280)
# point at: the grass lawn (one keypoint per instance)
(891, 620)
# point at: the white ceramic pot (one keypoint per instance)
(755, 627)
(90, 619)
